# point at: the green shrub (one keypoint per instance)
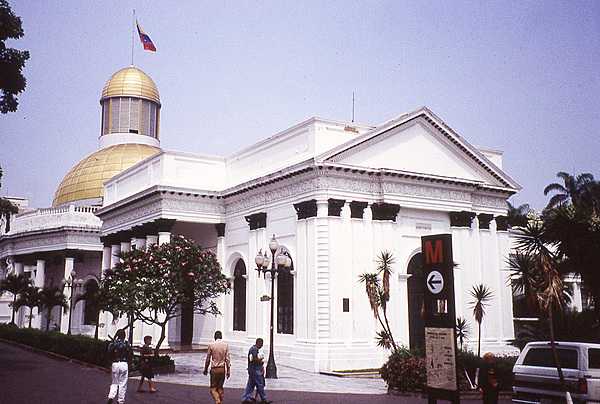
(404, 371)
(80, 347)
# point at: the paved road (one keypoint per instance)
(31, 378)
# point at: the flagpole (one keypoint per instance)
(132, 36)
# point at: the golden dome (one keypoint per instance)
(85, 180)
(131, 82)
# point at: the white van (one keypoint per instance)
(536, 378)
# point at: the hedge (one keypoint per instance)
(80, 347)
(405, 370)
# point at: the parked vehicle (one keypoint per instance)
(536, 378)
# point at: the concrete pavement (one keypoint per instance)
(31, 378)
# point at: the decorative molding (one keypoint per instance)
(489, 201)
(257, 220)
(484, 220)
(357, 209)
(385, 211)
(334, 207)
(461, 219)
(306, 209)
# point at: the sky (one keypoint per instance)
(522, 77)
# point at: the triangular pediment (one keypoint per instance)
(420, 143)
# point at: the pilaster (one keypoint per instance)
(68, 270)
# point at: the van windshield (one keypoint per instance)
(544, 357)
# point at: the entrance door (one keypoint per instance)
(187, 320)
(416, 324)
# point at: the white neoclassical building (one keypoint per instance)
(334, 193)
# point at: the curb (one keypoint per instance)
(54, 355)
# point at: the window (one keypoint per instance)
(90, 312)
(285, 302)
(594, 358)
(543, 357)
(239, 297)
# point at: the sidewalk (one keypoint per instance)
(189, 367)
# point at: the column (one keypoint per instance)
(18, 268)
(125, 246)
(106, 251)
(220, 229)
(138, 243)
(323, 295)
(64, 321)
(40, 277)
(115, 250)
(151, 240)
(164, 237)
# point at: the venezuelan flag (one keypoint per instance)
(146, 41)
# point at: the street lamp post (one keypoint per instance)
(73, 283)
(281, 262)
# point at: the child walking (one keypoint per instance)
(146, 366)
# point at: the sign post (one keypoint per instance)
(440, 319)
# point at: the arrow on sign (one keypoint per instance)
(435, 282)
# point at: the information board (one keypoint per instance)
(441, 358)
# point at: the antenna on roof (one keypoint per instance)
(353, 106)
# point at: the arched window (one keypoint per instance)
(285, 302)
(90, 312)
(239, 296)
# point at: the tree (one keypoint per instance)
(524, 278)
(517, 216)
(481, 295)
(462, 331)
(14, 284)
(50, 297)
(571, 191)
(12, 61)
(7, 208)
(29, 297)
(378, 293)
(153, 285)
(533, 242)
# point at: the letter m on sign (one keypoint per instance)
(434, 253)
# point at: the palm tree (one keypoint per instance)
(517, 216)
(481, 295)
(533, 241)
(379, 294)
(29, 297)
(50, 297)
(571, 191)
(524, 278)
(14, 284)
(7, 208)
(462, 330)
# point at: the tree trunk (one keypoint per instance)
(163, 326)
(97, 325)
(12, 321)
(130, 329)
(389, 330)
(30, 316)
(561, 377)
(479, 340)
(48, 318)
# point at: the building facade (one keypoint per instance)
(335, 194)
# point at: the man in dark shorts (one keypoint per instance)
(255, 374)
(146, 370)
(220, 366)
(120, 353)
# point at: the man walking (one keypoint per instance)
(120, 353)
(220, 366)
(255, 376)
